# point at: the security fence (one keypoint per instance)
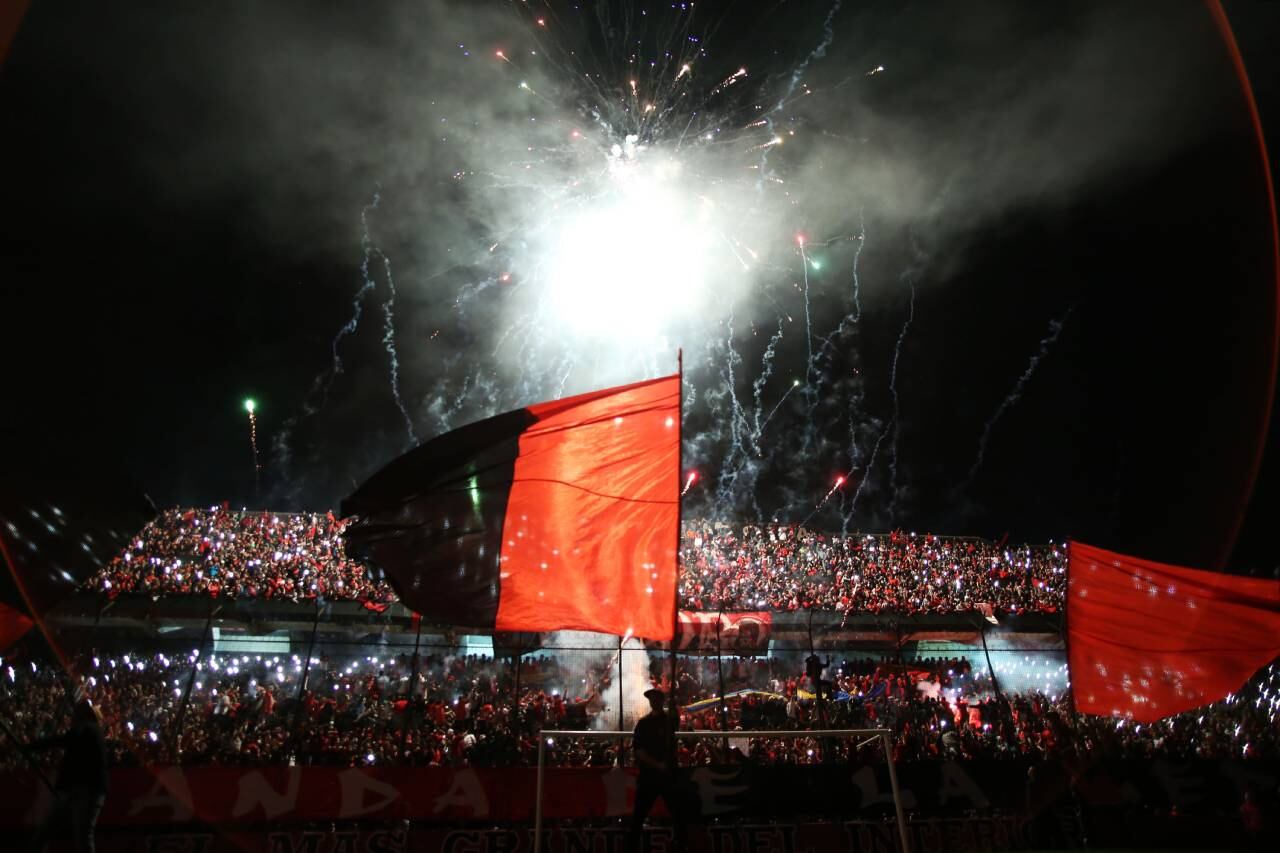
(316, 685)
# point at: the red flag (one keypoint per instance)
(13, 624)
(560, 515)
(1148, 640)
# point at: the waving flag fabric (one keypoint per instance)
(561, 515)
(1147, 640)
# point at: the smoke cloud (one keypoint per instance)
(587, 659)
(852, 161)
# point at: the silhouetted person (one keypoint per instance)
(655, 750)
(82, 781)
(813, 667)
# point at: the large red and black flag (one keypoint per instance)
(1147, 640)
(561, 515)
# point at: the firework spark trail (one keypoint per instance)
(777, 405)
(1055, 330)
(810, 390)
(357, 301)
(846, 515)
(650, 92)
(253, 443)
(281, 444)
(815, 376)
(757, 387)
(866, 474)
(502, 339)
(441, 410)
(808, 317)
(446, 407)
(852, 408)
(729, 467)
(918, 259)
(819, 52)
(564, 379)
(389, 343)
(853, 318)
(840, 481)
(896, 424)
(818, 377)
(737, 415)
(737, 463)
(849, 321)
(702, 446)
(857, 256)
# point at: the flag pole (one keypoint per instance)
(675, 607)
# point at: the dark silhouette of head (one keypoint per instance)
(84, 712)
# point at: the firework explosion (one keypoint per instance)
(620, 184)
(645, 204)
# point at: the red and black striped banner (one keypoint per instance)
(561, 515)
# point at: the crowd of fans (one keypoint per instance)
(775, 567)
(229, 554)
(470, 710)
(786, 567)
(455, 709)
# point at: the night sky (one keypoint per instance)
(1075, 186)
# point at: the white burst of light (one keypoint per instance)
(637, 257)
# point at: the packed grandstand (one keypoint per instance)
(440, 704)
(777, 567)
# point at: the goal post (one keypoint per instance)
(883, 735)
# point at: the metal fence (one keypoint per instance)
(325, 690)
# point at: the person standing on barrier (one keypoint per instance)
(654, 742)
(82, 781)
